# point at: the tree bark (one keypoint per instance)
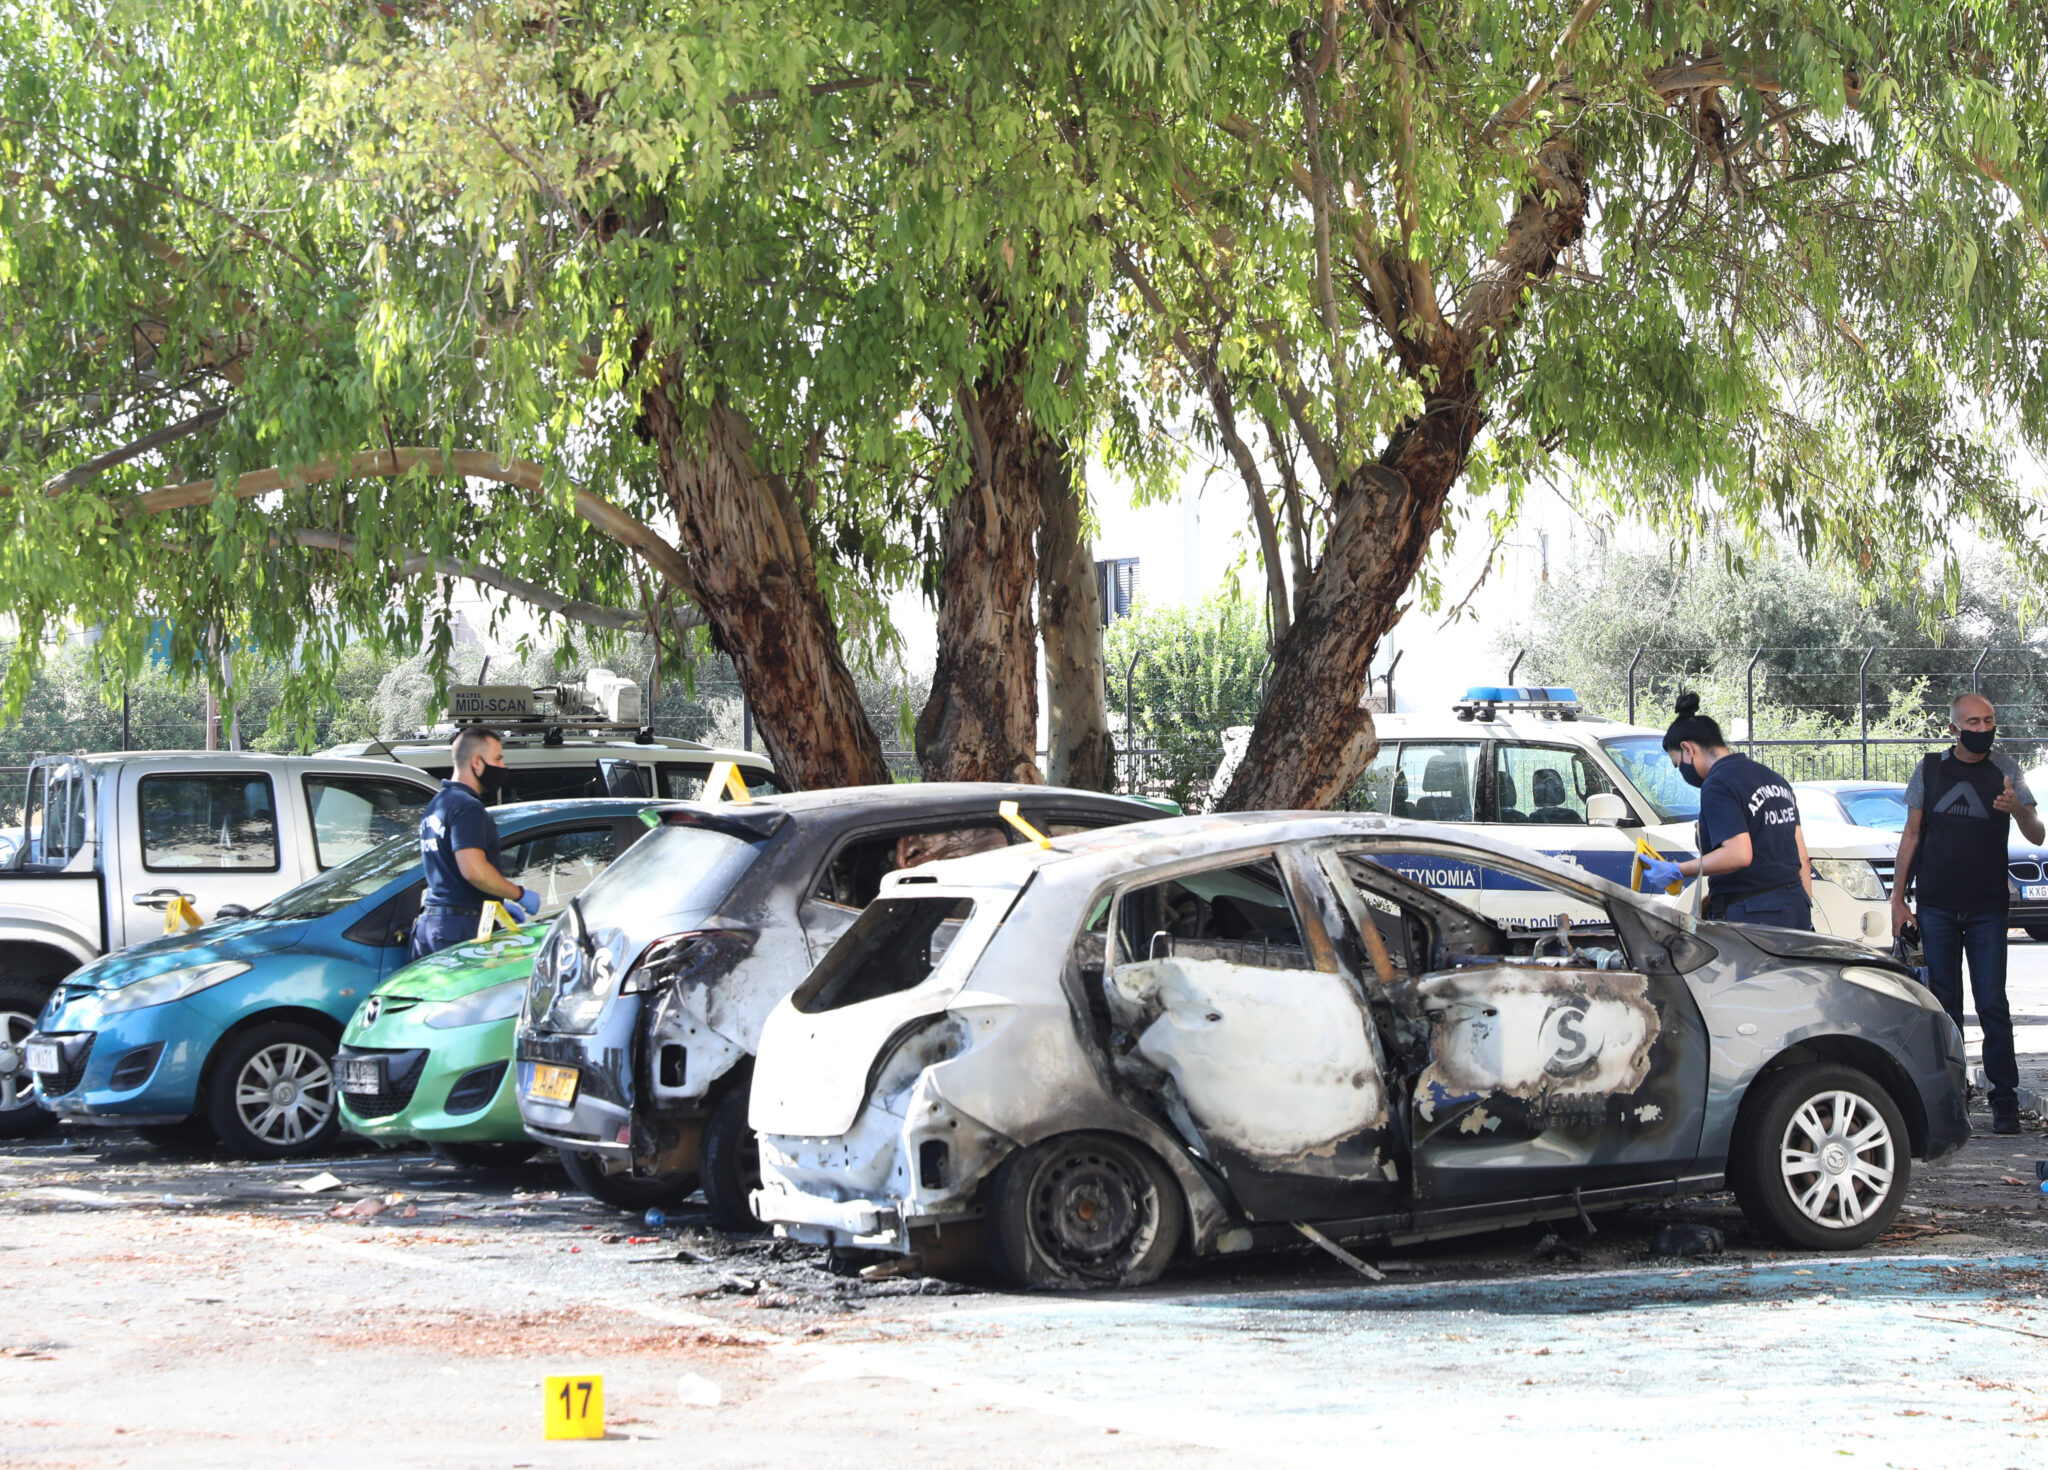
(750, 558)
(981, 722)
(1315, 735)
(1079, 750)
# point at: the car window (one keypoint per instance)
(684, 780)
(543, 783)
(210, 822)
(32, 815)
(352, 814)
(1656, 780)
(1374, 791)
(560, 865)
(346, 883)
(1544, 784)
(854, 875)
(1435, 783)
(1241, 914)
(1524, 905)
(893, 946)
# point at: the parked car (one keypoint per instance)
(1528, 766)
(1882, 805)
(112, 841)
(1189, 1036)
(230, 1032)
(636, 1046)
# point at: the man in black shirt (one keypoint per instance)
(1960, 806)
(1751, 849)
(459, 849)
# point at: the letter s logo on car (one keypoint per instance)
(1569, 1051)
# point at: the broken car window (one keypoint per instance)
(893, 946)
(854, 876)
(1240, 914)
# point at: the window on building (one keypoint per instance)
(1116, 582)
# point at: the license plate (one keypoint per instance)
(552, 1084)
(362, 1076)
(43, 1056)
(2034, 892)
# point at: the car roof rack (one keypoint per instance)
(1484, 702)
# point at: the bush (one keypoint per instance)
(1199, 671)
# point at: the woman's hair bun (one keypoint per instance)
(1688, 705)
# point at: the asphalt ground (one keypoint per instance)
(175, 1308)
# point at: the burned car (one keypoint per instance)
(636, 1042)
(1199, 1035)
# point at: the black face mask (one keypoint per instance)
(492, 779)
(1690, 776)
(1977, 742)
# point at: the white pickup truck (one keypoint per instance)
(110, 842)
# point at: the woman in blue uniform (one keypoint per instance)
(1752, 852)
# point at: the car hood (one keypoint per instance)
(454, 973)
(240, 939)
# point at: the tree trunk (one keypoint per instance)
(750, 556)
(981, 723)
(1079, 751)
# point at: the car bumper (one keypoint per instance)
(1940, 1076)
(599, 1117)
(128, 1067)
(461, 1088)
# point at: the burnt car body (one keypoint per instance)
(635, 1046)
(1194, 1034)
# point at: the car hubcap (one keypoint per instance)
(1094, 1216)
(14, 1073)
(285, 1093)
(1837, 1159)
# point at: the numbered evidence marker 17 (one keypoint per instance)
(575, 1408)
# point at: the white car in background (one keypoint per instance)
(1526, 765)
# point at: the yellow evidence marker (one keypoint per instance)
(726, 783)
(1635, 871)
(575, 1408)
(180, 911)
(1007, 810)
(495, 915)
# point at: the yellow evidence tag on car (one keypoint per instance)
(553, 1084)
(575, 1408)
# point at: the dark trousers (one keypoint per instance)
(1946, 937)
(432, 933)
(1787, 908)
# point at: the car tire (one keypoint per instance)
(1082, 1211)
(2038, 933)
(505, 1155)
(732, 1163)
(21, 1116)
(627, 1191)
(194, 1132)
(273, 1095)
(1799, 1171)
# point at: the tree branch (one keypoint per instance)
(420, 564)
(1529, 96)
(156, 439)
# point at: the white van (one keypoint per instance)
(1526, 765)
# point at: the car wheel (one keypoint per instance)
(1083, 1210)
(732, 1164)
(272, 1095)
(1824, 1160)
(484, 1155)
(627, 1191)
(194, 1132)
(2038, 933)
(21, 1116)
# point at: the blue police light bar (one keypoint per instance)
(1484, 701)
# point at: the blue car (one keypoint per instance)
(229, 1032)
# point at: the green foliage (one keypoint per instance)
(1197, 673)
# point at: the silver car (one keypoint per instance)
(1198, 1035)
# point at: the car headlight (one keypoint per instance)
(1888, 982)
(170, 985)
(492, 1003)
(1853, 876)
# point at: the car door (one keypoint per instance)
(1523, 1074)
(1233, 1019)
(218, 836)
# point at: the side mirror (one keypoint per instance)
(231, 911)
(1605, 809)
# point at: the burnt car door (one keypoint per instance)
(1232, 1018)
(1528, 1064)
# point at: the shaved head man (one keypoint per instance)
(1960, 807)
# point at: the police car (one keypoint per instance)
(1527, 765)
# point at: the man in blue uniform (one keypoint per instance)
(1751, 849)
(1960, 805)
(459, 846)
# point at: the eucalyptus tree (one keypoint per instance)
(1785, 260)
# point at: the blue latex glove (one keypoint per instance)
(1658, 875)
(525, 906)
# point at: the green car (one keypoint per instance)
(428, 1055)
